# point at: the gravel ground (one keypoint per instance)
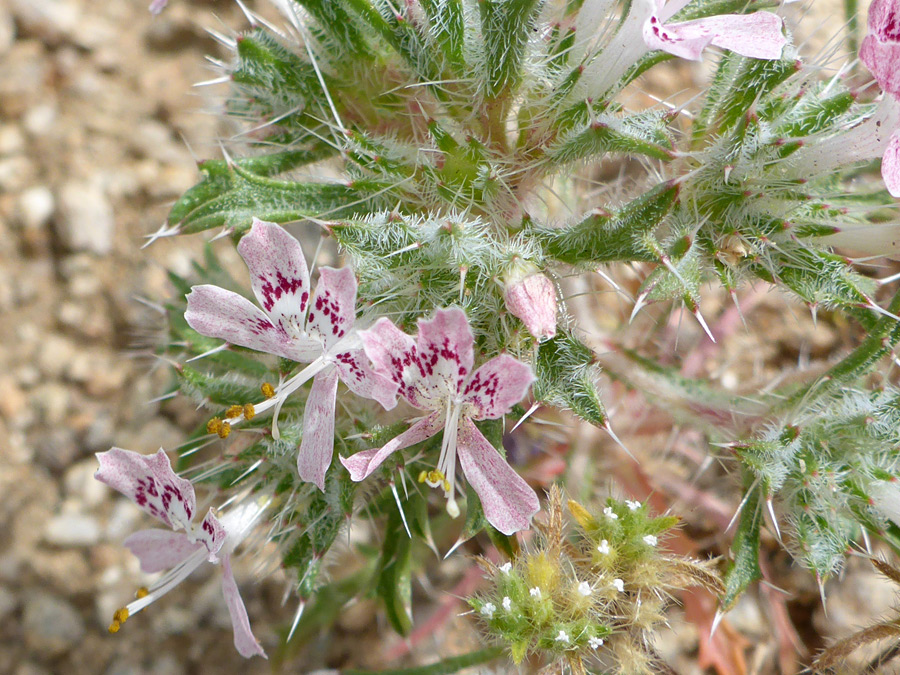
(96, 115)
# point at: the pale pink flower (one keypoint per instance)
(532, 298)
(434, 373)
(157, 6)
(148, 480)
(313, 330)
(880, 51)
(758, 35)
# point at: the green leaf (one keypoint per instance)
(443, 667)
(744, 570)
(232, 195)
(607, 237)
(344, 36)
(506, 27)
(643, 134)
(566, 378)
(394, 576)
(447, 24)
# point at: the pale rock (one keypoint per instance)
(81, 485)
(51, 21)
(12, 140)
(39, 120)
(72, 529)
(55, 356)
(7, 31)
(8, 602)
(35, 207)
(86, 221)
(51, 624)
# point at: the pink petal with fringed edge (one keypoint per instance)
(497, 386)
(317, 445)
(218, 313)
(393, 355)
(362, 464)
(278, 273)
(883, 61)
(211, 534)
(357, 373)
(890, 165)
(507, 500)
(148, 481)
(533, 300)
(333, 307)
(244, 640)
(160, 550)
(445, 351)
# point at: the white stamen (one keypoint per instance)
(507, 603)
(603, 547)
(595, 642)
(488, 609)
(650, 540)
(535, 592)
(505, 567)
(609, 513)
(619, 585)
(632, 505)
(584, 588)
(562, 637)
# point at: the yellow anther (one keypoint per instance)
(142, 592)
(224, 430)
(249, 411)
(423, 476)
(114, 627)
(446, 485)
(213, 426)
(121, 615)
(267, 390)
(234, 411)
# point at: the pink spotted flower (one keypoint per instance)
(148, 480)
(316, 330)
(758, 35)
(879, 134)
(649, 26)
(433, 372)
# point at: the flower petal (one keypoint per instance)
(211, 534)
(445, 350)
(890, 165)
(148, 481)
(333, 308)
(218, 313)
(160, 550)
(507, 500)
(362, 464)
(244, 640)
(278, 273)
(686, 44)
(759, 35)
(317, 445)
(357, 373)
(883, 61)
(884, 20)
(533, 300)
(393, 355)
(497, 386)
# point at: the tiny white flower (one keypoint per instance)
(595, 642)
(562, 637)
(609, 513)
(488, 609)
(584, 588)
(650, 540)
(505, 567)
(632, 505)
(535, 592)
(507, 603)
(619, 585)
(603, 547)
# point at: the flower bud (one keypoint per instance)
(531, 297)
